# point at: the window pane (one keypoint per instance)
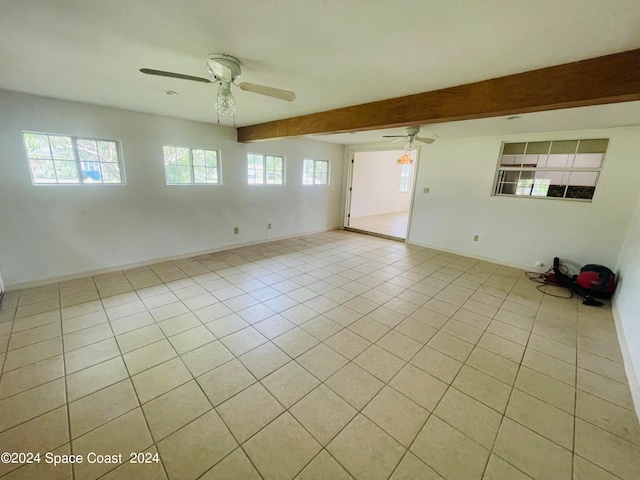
(67, 172)
(87, 150)
(198, 158)
(91, 172)
(212, 175)
(108, 152)
(558, 161)
(43, 171)
(564, 146)
(111, 173)
(583, 179)
(211, 158)
(513, 148)
(169, 155)
(593, 146)
(507, 188)
(182, 156)
(199, 175)
(538, 147)
(508, 160)
(588, 160)
(37, 145)
(61, 148)
(321, 179)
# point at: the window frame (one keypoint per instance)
(314, 172)
(76, 159)
(405, 180)
(192, 166)
(265, 171)
(565, 170)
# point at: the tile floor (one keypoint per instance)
(329, 356)
(390, 225)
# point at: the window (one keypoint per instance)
(566, 169)
(315, 172)
(72, 160)
(405, 178)
(186, 166)
(265, 169)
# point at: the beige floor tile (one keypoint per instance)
(281, 449)
(523, 449)
(35, 308)
(365, 450)
(171, 310)
(547, 389)
(119, 299)
(585, 470)
(125, 434)
(119, 311)
(411, 467)
(321, 361)
(419, 386)
(295, 342)
(400, 345)
(149, 356)
(602, 366)
(323, 467)
(463, 331)
(151, 470)
(321, 327)
(30, 376)
(601, 348)
(139, 338)
(206, 358)
(263, 360)
(191, 339)
(87, 336)
(160, 379)
(44, 470)
(450, 345)
(196, 447)
(552, 367)
(226, 325)
(379, 363)
(498, 469)
(323, 413)
(237, 465)
(469, 416)
(90, 355)
(290, 383)
(214, 312)
(482, 387)
(84, 321)
(416, 330)
(102, 406)
(159, 300)
(449, 452)
(179, 324)
(173, 410)
(493, 364)
(607, 451)
(199, 301)
(437, 364)
(397, 415)
(430, 317)
(94, 378)
(274, 326)
(81, 309)
(355, 385)
(225, 381)
(32, 354)
(501, 346)
(369, 329)
(542, 418)
(473, 319)
(243, 340)
(348, 343)
(441, 307)
(42, 434)
(608, 416)
(602, 387)
(343, 315)
(33, 321)
(34, 335)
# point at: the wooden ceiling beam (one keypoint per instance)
(596, 81)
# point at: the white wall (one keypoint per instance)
(58, 230)
(376, 184)
(520, 231)
(626, 305)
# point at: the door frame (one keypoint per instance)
(350, 156)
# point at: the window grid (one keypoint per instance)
(567, 169)
(64, 159)
(405, 178)
(265, 169)
(191, 166)
(315, 172)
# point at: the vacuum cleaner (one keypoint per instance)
(593, 281)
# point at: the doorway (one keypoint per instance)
(380, 193)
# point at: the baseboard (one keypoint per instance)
(91, 273)
(632, 375)
(526, 268)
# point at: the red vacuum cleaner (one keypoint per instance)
(593, 281)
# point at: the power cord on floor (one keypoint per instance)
(550, 279)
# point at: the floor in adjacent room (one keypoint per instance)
(319, 357)
(389, 224)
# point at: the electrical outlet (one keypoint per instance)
(476, 237)
(236, 230)
(268, 226)
(539, 264)
(425, 190)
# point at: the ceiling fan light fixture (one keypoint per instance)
(225, 103)
(405, 159)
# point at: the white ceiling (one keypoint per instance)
(332, 53)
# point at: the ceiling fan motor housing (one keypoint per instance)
(223, 67)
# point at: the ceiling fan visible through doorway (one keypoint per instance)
(225, 70)
(411, 136)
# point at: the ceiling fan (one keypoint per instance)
(411, 135)
(225, 70)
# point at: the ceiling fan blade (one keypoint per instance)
(425, 140)
(181, 76)
(398, 140)
(394, 136)
(268, 91)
